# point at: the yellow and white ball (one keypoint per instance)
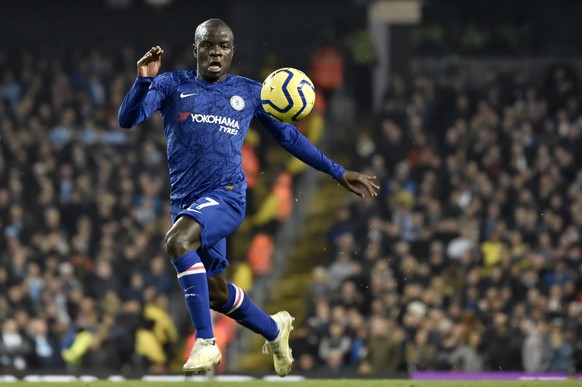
(288, 94)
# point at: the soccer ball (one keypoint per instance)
(288, 94)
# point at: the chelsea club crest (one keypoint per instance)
(237, 102)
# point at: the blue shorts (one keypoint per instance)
(219, 213)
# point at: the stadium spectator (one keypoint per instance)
(535, 346)
(276, 208)
(260, 253)
(384, 347)
(420, 354)
(158, 276)
(45, 353)
(14, 346)
(467, 356)
(334, 347)
(251, 165)
(560, 354)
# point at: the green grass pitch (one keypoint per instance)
(308, 383)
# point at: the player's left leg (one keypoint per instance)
(232, 301)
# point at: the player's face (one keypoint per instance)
(213, 50)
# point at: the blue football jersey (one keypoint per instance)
(205, 125)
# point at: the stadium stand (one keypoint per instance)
(84, 278)
(469, 259)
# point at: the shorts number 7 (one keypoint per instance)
(209, 202)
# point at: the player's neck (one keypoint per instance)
(212, 81)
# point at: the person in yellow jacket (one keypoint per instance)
(277, 206)
(80, 346)
(156, 310)
(148, 346)
(492, 249)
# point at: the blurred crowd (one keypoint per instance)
(84, 276)
(470, 258)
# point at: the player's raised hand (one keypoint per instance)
(354, 181)
(150, 63)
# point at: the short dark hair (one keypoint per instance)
(211, 23)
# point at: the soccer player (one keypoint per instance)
(206, 116)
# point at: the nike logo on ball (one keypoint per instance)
(182, 95)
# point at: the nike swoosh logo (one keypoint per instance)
(193, 210)
(182, 95)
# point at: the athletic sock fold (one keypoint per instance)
(240, 308)
(191, 275)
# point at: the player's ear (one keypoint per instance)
(194, 49)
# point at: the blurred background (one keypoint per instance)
(469, 259)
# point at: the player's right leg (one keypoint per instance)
(182, 241)
(232, 301)
(198, 239)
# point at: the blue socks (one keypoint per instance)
(192, 278)
(240, 308)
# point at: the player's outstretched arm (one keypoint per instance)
(149, 64)
(354, 182)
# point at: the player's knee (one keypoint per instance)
(184, 236)
(178, 244)
(172, 244)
